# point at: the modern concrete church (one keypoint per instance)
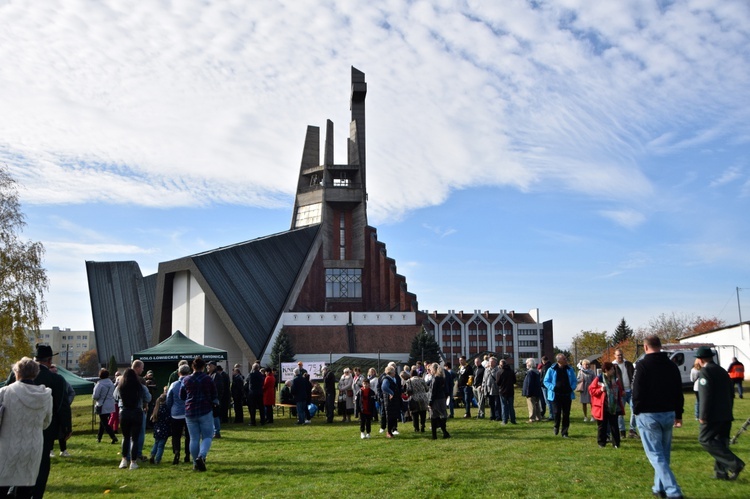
(327, 281)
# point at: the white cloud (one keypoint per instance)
(728, 176)
(627, 218)
(440, 231)
(192, 103)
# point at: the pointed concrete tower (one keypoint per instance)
(335, 195)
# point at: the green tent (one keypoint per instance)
(163, 358)
(80, 385)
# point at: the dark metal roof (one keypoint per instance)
(122, 304)
(249, 283)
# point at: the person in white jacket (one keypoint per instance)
(27, 411)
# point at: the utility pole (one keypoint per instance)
(739, 309)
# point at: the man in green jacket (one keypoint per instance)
(716, 397)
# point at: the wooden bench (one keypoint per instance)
(283, 408)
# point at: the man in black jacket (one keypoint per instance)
(329, 385)
(465, 372)
(657, 404)
(506, 382)
(716, 398)
(301, 389)
(238, 398)
(254, 394)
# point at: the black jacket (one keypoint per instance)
(301, 389)
(506, 380)
(463, 375)
(478, 375)
(657, 385)
(715, 394)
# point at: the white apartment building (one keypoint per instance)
(70, 345)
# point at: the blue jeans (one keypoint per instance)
(301, 412)
(627, 400)
(201, 431)
(158, 449)
(468, 397)
(656, 437)
(509, 412)
(217, 425)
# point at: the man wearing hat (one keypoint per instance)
(61, 417)
(716, 398)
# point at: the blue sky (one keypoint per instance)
(588, 159)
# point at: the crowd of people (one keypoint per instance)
(196, 401)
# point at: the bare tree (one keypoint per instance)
(670, 327)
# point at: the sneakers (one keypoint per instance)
(64, 454)
(124, 463)
(307, 421)
(367, 435)
(395, 432)
(362, 435)
(133, 465)
(632, 434)
(381, 430)
(51, 453)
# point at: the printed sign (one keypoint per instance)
(314, 368)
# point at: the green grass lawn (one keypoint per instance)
(483, 459)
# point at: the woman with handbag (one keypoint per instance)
(104, 396)
(585, 377)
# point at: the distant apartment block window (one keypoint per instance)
(308, 215)
(343, 283)
(527, 343)
(482, 343)
(527, 332)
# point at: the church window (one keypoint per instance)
(343, 283)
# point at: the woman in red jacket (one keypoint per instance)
(606, 404)
(269, 394)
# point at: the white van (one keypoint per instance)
(684, 358)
